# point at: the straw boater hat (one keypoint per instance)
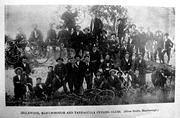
(113, 70)
(18, 68)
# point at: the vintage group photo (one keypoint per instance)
(82, 55)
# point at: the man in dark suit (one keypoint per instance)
(36, 36)
(139, 68)
(77, 39)
(23, 63)
(88, 39)
(78, 80)
(96, 26)
(60, 73)
(95, 58)
(64, 37)
(126, 63)
(40, 89)
(19, 84)
(168, 44)
(71, 73)
(51, 37)
(121, 28)
(21, 39)
(88, 72)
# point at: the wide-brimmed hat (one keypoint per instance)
(166, 34)
(78, 26)
(86, 29)
(59, 59)
(18, 68)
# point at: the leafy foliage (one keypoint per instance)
(69, 18)
(109, 13)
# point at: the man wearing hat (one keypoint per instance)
(19, 84)
(36, 37)
(64, 36)
(103, 42)
(126, 63)
(23, 63)
(113, 80)
(168, 44)
(21, 38)
(121, 27)
(96, 26)
(98, 80)
(77, 39)
(51, 37)
(95, 58)
(71, 73)
(88, 39)
(60, 73)
(88, 70)
(159, 45)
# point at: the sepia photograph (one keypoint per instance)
(89, 55)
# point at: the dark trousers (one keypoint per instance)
(160, 55)
(168, 52)
(88, 78)
(70, 83)
(59, 83)
(19, 91)
(78, 84)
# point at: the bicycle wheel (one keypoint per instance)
(43, 57)
(34, 49)
(11, 57)
(67, 102)
(105, 97)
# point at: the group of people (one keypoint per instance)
(103, 60)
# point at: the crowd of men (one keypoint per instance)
(92, 56)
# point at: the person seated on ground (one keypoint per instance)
(60, 73)
(49, 80)
(19, 84)
(114, 82)
(126, 63)
(29, 82)
(98, 80)
(107, 65)
(40, 89)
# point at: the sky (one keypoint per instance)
(26, 15)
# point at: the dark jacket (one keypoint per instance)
(98, 26)
(50, 78)
(64, 37)
(19, 86)
(26, 67)
(168, 44)
(125, 65)
(37, 38)
(77, 40)
(141, 67)
(51, 36)
(60, 70)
